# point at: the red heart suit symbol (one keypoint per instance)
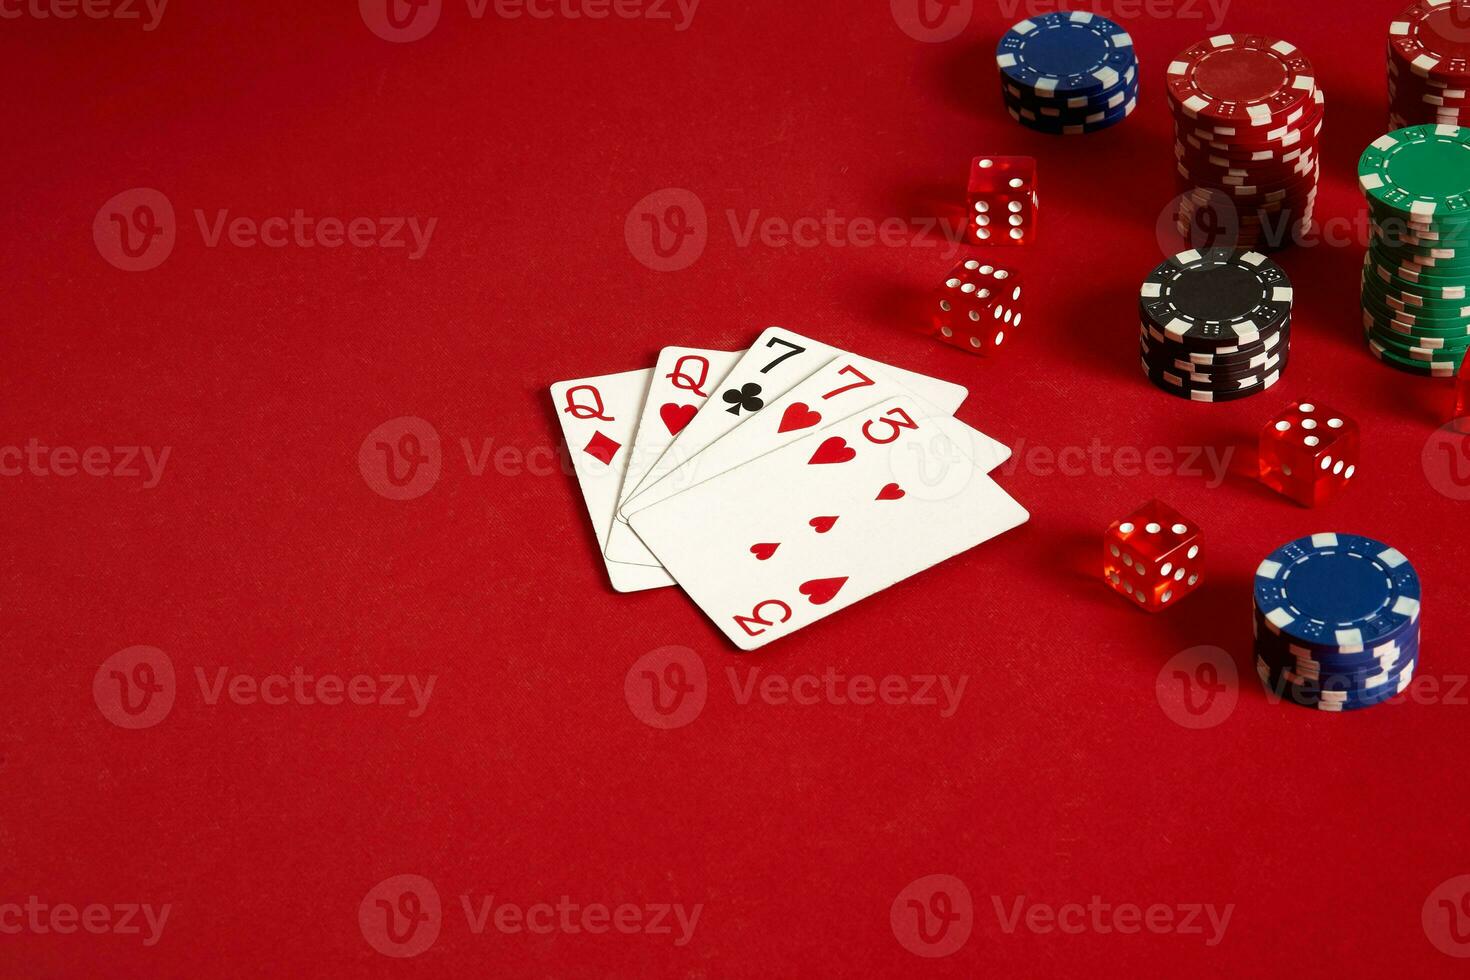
(822, 590)
(764, 551)
(891, 492)
(822, 524)
(834, 450)
(676, 416)
(798, 416)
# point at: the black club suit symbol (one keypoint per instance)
(744, 399)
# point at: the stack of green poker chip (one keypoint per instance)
(1416, 275)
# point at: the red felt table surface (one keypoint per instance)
(260, 549)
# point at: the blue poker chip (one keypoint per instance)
(1355, 685)
(1073, 110)
(1111, 98)
(1313, 697)
(1278, 650)
(1064, 128)
(1065, 54)
(1338, 682)
(1343, 593)
(1275, 651)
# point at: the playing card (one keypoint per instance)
(773, 366)
(818, 525)
(846, 385)
(598, 419)
(683, 380)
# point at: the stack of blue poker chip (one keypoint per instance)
(1067, 73)
(1336, 622)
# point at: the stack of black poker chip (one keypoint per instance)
(1215, 325)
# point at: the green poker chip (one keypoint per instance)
(1419, 172)
(1416, 276)
(1409, 346)
(1414, 303)
(1450, 288)
(1429, 326)
(1428, 333)
(1439, 224)
(1443, 369)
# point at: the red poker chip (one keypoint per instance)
(1255, 226)
(1274, 140)
(1406, 82)
(1239, 157)
(1432, 38)
(1263, 189)
(1264, 170)
(1205, 236)
(1246, 80)
(1261, 210)
(1295, 186)
(1297, 118)
(1398, 67)
(1220, 205)
(1307, 122)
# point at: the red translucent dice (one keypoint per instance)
(1309, 453)
(1002, 201)
(976, 307)
(1152, 556)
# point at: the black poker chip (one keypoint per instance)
(1216, 297)
(1215, 325)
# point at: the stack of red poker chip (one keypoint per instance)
(1429, 65)
(1247, 114)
